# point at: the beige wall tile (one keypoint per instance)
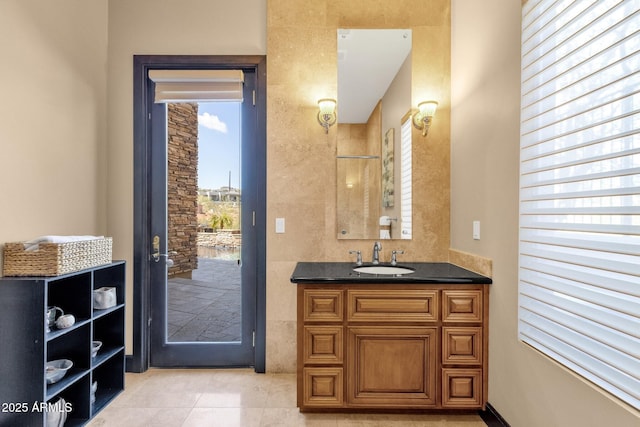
(302, 68)
(281, 345)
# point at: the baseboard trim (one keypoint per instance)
(492, 418)
(129, 364)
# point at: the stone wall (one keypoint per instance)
(220, 239)
(182, 187)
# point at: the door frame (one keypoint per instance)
(139, 360)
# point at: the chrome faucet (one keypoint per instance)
(358, 256)
(376, 253)
(394, 260)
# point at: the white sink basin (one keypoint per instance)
(383, 269)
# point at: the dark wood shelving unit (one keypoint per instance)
(27, 346)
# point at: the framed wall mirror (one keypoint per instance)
(374, 102)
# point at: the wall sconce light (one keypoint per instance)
(424, 115)
(327, 114)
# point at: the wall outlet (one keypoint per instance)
(476, 230)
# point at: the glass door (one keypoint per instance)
(203, 262)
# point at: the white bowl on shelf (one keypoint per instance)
(57, 369)
(95, 346)
(104, 297)
(57, 415)
(92, 396)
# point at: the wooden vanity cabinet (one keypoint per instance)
(379, 346)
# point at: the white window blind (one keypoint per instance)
(405, 179)
(197, 85)
(579, 275)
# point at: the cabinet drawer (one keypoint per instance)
(462, 345)
(392, 305)
(323, 305)
(462, 388)
(462, 306)
(322, 387)
(322, 344)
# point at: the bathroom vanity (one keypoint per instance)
(413, 341)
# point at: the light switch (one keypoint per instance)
(476, 230)
(279, 225)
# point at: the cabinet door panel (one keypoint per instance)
(462, 345)
(323, 305)
(322, 344)
(322, 387)
(462, 306)
(461, 388)
(392, 306)
(391, 367)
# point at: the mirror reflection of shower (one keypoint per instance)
(373, 107)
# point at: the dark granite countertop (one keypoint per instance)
(424, 272)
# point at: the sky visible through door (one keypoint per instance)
(218, 144)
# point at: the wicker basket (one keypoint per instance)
(54, 259)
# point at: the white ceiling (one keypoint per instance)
(368, 60)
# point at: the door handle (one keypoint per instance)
(169, 260)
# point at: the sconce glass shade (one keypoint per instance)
(327, 114)
(422, 118)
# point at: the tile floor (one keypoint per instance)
(207, 306)
(237, 397)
